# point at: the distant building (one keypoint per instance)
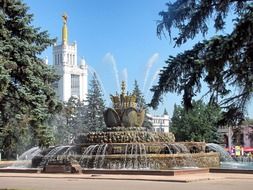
(74, 77)
(237, 136)
(160, 123)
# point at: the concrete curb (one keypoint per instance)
(110, 177)
(231, 171)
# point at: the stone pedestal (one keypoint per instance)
(56, 168)
(62, 168)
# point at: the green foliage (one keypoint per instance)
(96, 106)
(69, 123)
(190, 17)
(224, 63)
(4, 79)
(141, 104)
(140, 100)
(26, 95)
(198, 124)
(75, 114)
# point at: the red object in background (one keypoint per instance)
(245, 149)
(248, 149)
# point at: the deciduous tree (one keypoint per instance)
(197, 124)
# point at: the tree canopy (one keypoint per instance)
(140, 100)
(197, 124)
(141, 104)
(26, 94)
(70, 122)
(224, 63)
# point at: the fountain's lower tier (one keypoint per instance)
(160, 156)
(152, 161)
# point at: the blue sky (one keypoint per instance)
(117, 38)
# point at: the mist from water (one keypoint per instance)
(109, 58)
(154, 78)
(152, 60)
(91, 70)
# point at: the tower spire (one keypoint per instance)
(64, 29)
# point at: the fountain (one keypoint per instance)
(24, 160)
(126, 145)
(228, 163)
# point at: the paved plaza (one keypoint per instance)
(208, 181)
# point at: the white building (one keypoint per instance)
(160, 123)
(74, 77)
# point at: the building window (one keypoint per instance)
(75, 85)
(58, 61)
(55, 59)
(160, 130)
(61, 56)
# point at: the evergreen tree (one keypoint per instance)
(140, 100)
(141, 104)
(96, 106)
(224, 63)
(197, 124)
(69, 122)
(74, 113)
(26, 95)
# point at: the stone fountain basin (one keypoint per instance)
(158, 161)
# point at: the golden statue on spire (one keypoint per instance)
(65, 18)
(64, 29)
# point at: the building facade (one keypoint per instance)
(237, 136)
(74, 77)
(160, 123)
